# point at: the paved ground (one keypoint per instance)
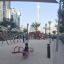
(58, 57)
(39, 56)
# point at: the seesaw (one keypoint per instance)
(17, 49)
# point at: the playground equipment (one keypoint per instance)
(18, 49)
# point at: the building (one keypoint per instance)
(7, 12)
(36, 35)
(15, 14)
(4, 9)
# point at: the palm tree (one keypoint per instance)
(35, 25)
(54, 32)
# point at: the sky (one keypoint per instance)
(48, 12)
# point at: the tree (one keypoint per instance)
(35, 25)
(13, 25)
(54, 32)
(24, 30)
(61, 15)
(6, 23)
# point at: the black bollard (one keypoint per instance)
(48, 50)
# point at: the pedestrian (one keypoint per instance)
(23, 38)
(25, 51)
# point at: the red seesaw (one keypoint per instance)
(17, 49)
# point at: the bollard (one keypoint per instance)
(48, 50)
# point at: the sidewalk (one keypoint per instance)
(39, 56)
(57, 57)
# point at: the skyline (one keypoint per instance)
(48, 12)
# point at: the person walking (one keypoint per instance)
(23, 38)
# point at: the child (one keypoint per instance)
(25, 51)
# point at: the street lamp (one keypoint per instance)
(27, 30)
(45, 28)
(49, 32)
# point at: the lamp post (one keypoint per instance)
(27, 30)
(49, 32)
(8, 28)
(45, 28)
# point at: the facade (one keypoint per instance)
(7, 12)
(15, 14)
(36, 35)
(4, 9)
(1, 11)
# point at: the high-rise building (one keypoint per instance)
(15, 14)
(4, 9)
(1, 11)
